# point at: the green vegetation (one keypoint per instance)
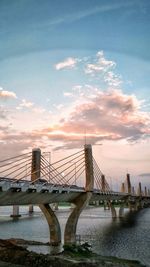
(80, 250)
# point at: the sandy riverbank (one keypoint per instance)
(13, 253)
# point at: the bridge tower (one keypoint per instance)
(140, 190)
(103, 183)
(36, 164)
(122, 188)
(82, 200)
(89, 168)
(35, 168)
(145, 191)
(128, 184)
(54, 227)
(133, 190)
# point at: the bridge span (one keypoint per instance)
(29, 179)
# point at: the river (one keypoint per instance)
(127, 238)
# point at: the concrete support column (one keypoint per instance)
(139, 190)
(53, 223)
(113, 210)
(82, 200)
(121, 211)
(133, 190)
(137, 206)
(36, 164)
(145, 191)
(89, 168)
(15, 213)
(106, 205)
(131, 206)
(70, 230)
(31, 209)
(123, 188)
(128, 183)
(97, 202)
(103, 183)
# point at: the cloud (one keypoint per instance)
(16, 142)
(25, 104)
(105, 116)
(110, 115)
(3, 131)
(103, 69)
(89, 12)
(97, 68)
(112, 79)
(101, 65)
(39, 110)
(68, 63)
(68, 94)
(6, 94)
(2, 113)
(145, 174)
(30, 106)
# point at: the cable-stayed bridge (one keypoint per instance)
(30, 179)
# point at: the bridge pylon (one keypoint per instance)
(103, 182)
(89, 173)
(128, 184)
(82, 200)
(36, 164)
(133, 190)
(139, 193)
(53, 223)
(123, 188)
(35, 169)
(145, 191)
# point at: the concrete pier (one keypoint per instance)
(128, 183)
(82, 200)
(15, 213)
(31, 209)
(53, 223)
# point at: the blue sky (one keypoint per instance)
(62, 63)
(29, 26)
(75, 28)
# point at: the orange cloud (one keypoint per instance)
(103, 115)
(6, 94)
(110, 115)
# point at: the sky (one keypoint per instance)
(76, 71)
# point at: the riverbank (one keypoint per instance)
(14, 253)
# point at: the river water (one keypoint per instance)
(127, 238)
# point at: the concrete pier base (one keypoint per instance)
(113, 210)
(55, 206)
(106, 205)
(70, 230)
(53, 223)
(31, 209)
(121, 211)
(15, 213)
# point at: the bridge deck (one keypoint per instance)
(25, 193)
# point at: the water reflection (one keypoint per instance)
(127, 237)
